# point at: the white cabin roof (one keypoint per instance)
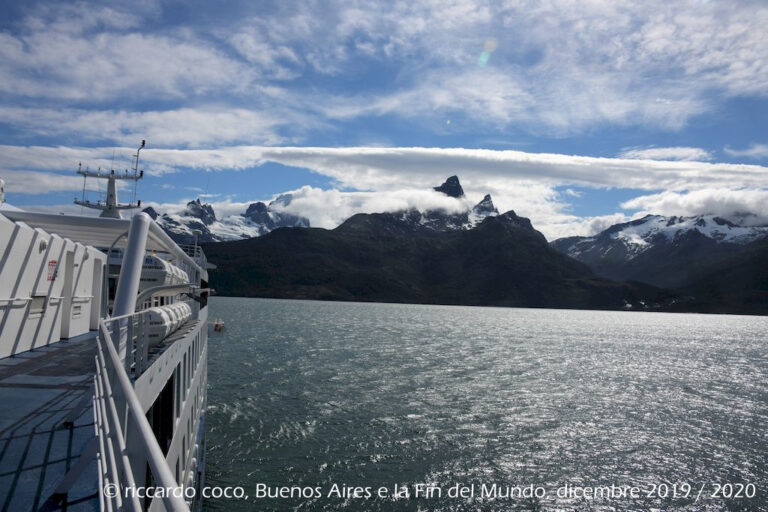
(99, 231)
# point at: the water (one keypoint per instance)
(373, 395)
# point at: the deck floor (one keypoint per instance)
(46, 422)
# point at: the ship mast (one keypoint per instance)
(111, 208)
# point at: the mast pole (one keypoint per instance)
(111, 207)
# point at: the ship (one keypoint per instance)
(103, 359)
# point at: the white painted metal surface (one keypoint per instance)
(100, 232)
(50, 287)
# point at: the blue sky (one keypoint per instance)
(576, 114)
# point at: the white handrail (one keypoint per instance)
(160, 470)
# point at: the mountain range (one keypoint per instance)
(663, 251)
(478, 256)
(719, 264)
(261, 218)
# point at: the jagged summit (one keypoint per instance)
(433, 220)
(267, 215)
(255, 210)
(486, 206)
(202, 211)
(451, 187)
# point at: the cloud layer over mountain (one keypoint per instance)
(383, 100)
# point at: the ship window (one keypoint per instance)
(184, 383)
(177, 383)
(160, 417)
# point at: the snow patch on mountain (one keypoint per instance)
(639, 235)
(258, 219)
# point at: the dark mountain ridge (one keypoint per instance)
(736, 284)
(503, 261)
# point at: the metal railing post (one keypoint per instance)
(130, 271)
(144, 343)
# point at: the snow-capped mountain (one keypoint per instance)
(663, 251)
(258, 219)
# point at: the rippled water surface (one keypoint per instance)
(372, 395)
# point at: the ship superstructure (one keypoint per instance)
(103, 364)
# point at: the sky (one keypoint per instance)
(577, 114)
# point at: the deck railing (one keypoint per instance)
(119, 414)
(123, 356)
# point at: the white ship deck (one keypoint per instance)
(46, 423)
(61, 438)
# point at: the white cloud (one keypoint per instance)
(570, 225)
(559, 67)
(755, 151)
(378, 168)
(79, 53)
(387, 179)
(717, 201)
(154, 161)
(387, 168)
(671, 153)
(328, 208)
(41, 183)
(184, 127)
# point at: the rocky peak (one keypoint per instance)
(257, 212)
(451, 187)
(271, 218)
(202, 211)
(485, 207)
(510, 218)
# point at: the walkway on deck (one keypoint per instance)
(46, 422)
